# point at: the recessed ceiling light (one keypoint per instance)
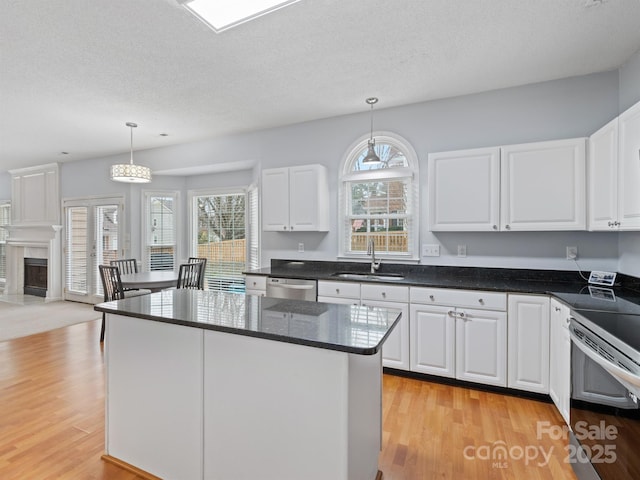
(64, 153)
(221, 15)
(164, 134)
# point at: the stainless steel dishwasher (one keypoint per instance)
(292, 288)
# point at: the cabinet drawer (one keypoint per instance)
(459, 298)
(388, 293)
(339, 289)
(255, 282)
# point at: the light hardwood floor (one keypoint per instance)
(52, 420)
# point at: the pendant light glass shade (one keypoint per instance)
(372, 156)
(128, 172)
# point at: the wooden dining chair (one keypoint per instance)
(112, 288)
(190, 275)
(126, 265)
(204, 268)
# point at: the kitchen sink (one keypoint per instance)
(370, 276)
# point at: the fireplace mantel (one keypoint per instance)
(32, 234)
(38, 241)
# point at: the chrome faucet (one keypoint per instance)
(371, 250)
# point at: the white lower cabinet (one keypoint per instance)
(560, 357)
(339, 292)
(395, 351)
(481, 341)
(457, 341)
(433, 340)
(255, 285)
(528, 345)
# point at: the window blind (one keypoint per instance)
(5, 219)
(253, 261)
(161, 233)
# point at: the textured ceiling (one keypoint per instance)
(72, 72)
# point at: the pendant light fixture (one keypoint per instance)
(371, 157)
(128, 172)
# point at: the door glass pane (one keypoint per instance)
(77, 250)
(106, 217)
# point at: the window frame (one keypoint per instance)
(252, 212)
(348, 176)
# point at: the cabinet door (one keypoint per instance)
(464, 190)
(275, 199)
(559, 357)
(395, 350)
(481, 346)
(308, 198)
(629, 165)
(543, 186)
(432, 340)
(603, 178)
(346, 290)
(528, 343)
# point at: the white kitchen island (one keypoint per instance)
(209, 385)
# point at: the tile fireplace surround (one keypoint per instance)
(34, 241)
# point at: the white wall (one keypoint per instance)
(573, 107)
(629, 246)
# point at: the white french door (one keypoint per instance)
(92, 238)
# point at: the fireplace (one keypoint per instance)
(35, 276)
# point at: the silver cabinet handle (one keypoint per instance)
(557, 309)
(384, 294)
(337, 290)
(432, 298)
(285, 227)
(481, 301)
(495, 227)
(462, 315)
(451, 313)
(508, 227)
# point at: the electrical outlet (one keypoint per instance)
(301, 247)
(572, 253)
(462, 250)
(429, 250)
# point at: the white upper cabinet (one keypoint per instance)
(528, 187)
(603, 178)
(614, 174)
(544, 185)
(464, 190)
(629, 169)
(295, 199)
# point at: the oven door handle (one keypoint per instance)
(609, 366)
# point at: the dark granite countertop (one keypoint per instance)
(346, 328)
(568, 286)
(468, 278)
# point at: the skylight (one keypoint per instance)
(221, 15)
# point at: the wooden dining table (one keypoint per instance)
(155, 280)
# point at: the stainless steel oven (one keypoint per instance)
(605, 387)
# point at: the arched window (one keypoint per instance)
(379, 201)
